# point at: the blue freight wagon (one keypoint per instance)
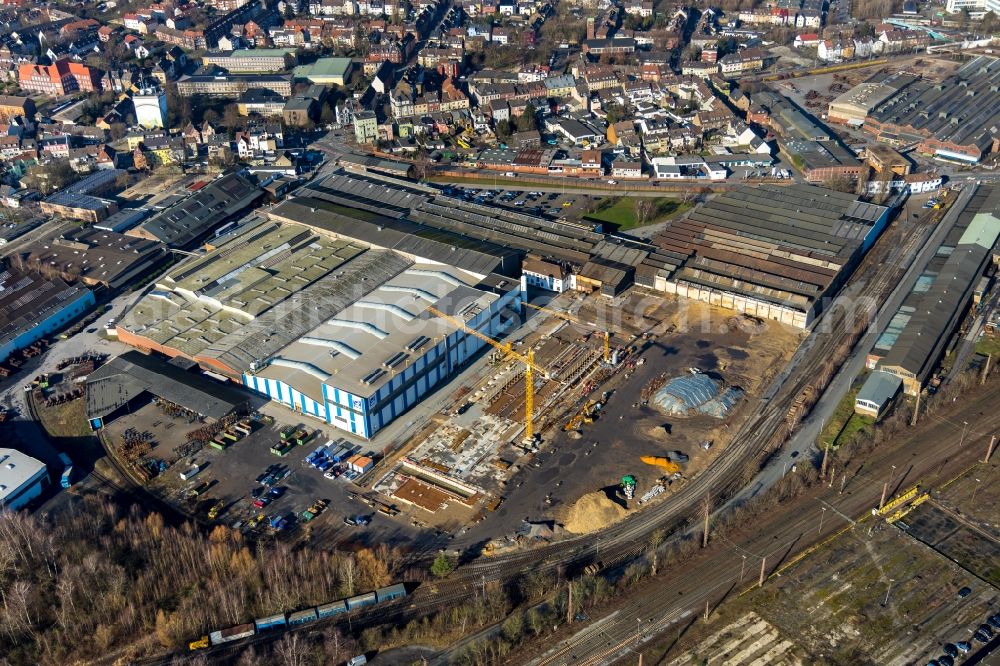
(301, 617)
(391, 592)
(272, 622)
(361, 601)
(331, 609)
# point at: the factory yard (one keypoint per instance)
(585, 451)
(227, 479)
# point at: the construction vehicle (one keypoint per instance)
(575, 320)
(529, 367)
(256, 520)
(217, 508)
(668, 466)
(628, 486)
(314, 510)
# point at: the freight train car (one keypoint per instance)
(298, 618)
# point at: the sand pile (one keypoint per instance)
(748, 324)
(592, 512)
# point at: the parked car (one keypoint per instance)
(964, 592)
(276, 491)
(262, 502)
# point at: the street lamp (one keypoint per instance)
(638, 625)
(887, 590)
(975, 490)
(965, 425)
(821, 517)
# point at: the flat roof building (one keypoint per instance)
(231, 86)
(22, 479)
(327, 71)
(134, 376)
(93, 256)
(853, 106)
(264, 61)
(942, 301)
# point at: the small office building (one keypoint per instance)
(22, 479)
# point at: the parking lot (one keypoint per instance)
(549, 204)
(231, 481)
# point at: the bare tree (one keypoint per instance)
(291, 650)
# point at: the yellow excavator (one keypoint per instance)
(668, 466)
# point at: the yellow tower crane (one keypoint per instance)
(575, 320)
(529, 366)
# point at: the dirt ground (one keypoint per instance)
(681, 335)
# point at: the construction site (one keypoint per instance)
(591, 440)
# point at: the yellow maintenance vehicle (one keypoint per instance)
(213, 513)
(199, 644)
(668, 466)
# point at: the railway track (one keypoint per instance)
(622, 543)
(778, 537)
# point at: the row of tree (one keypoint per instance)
(97, 579)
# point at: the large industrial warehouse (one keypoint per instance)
(954, 119)
(770, 251)
(915, 340)
(335, 328)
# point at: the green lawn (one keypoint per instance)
(987, 345)
(844, 423)
(621, 211)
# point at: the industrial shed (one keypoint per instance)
(772, 252)
(134, 376)
(945, 291)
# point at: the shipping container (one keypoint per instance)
(301, 617)
(272, 622)
(391, 592)
(362, 464)
(232, 634)
(190, 473)
(331, 609)
(339, 454)
(361, 601)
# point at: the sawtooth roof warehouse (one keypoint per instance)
(330, 326)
